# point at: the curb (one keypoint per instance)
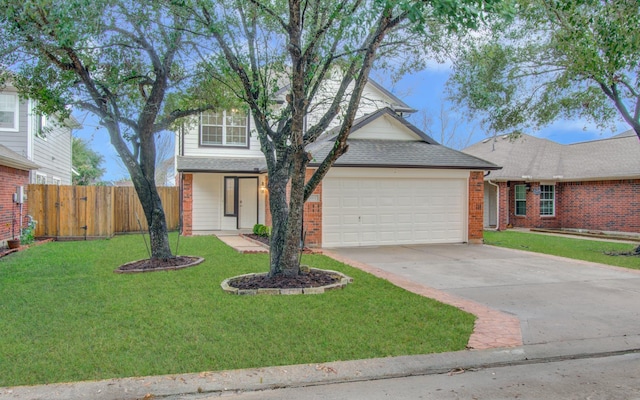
(256, 379)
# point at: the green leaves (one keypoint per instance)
(570, 58)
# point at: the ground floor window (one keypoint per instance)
(521, 199)
(547, 200)
(41, 179)
(230, 209)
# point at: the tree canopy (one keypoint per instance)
(118, 59)
(557, 59)
(287, 60)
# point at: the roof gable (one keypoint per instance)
(385, 124)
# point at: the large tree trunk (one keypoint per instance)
(154, 213)
(287, 218)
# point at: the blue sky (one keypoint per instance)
(422, 90)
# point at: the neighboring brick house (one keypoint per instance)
(14, 173)
(395, 185)
(592, 185)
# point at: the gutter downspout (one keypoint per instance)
(497, 203)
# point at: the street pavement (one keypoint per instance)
(568, 310)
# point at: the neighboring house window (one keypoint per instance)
(521, 200)
(8, 112)
(39, 125)
(230, 196)
(56, 181)
(225, 128)
(41, 179)
(547, 200)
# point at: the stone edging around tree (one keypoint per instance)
(344, 281)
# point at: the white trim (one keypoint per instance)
(553, 201)
(56, 181)
(224, 127)
(40, 175)
(16, 113)
(515, 200)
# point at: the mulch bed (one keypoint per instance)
(313, 278)
(149, 265)
(258, 238)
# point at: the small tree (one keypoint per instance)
(86, 163)
(117, 59)
(314, 55)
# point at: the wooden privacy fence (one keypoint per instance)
(82, 212)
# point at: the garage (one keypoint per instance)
(371, 207)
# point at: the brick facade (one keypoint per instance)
(596, 205)
(187, 204)
(11, 178)
(476, 206)
(313, 216)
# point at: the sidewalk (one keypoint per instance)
(198, 385)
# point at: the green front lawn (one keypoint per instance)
(579, 249)
(65, 316)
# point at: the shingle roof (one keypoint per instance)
(12, 159)
(221, 164)
(424, 152)
(401, 154)
(617, 157)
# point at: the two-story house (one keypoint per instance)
(33, 149)
(39, 138)
(395, 185)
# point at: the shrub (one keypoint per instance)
(261, 230)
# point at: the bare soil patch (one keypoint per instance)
(150, 265)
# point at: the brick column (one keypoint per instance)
(313, 216)
(187, 204)
(476, 206)
(503, 206)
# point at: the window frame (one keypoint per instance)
(224, 126)
(16, 113)
(521, 200)
(40, 175)
(234, 199)
(552, 200)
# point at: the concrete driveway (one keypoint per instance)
(555, 299)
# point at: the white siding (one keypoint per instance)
(192, 145)
(53, 154)
(385, 128)
(207, 202)
(371, 101)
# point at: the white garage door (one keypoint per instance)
(382, 211)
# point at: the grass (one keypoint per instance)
(579, 249)
(65, 316)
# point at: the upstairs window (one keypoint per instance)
(547, 200)
(224, 128)
(521, 200)
(8, 112)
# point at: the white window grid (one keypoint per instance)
(225, 128)
(547, 200)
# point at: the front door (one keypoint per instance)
(247, 202)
